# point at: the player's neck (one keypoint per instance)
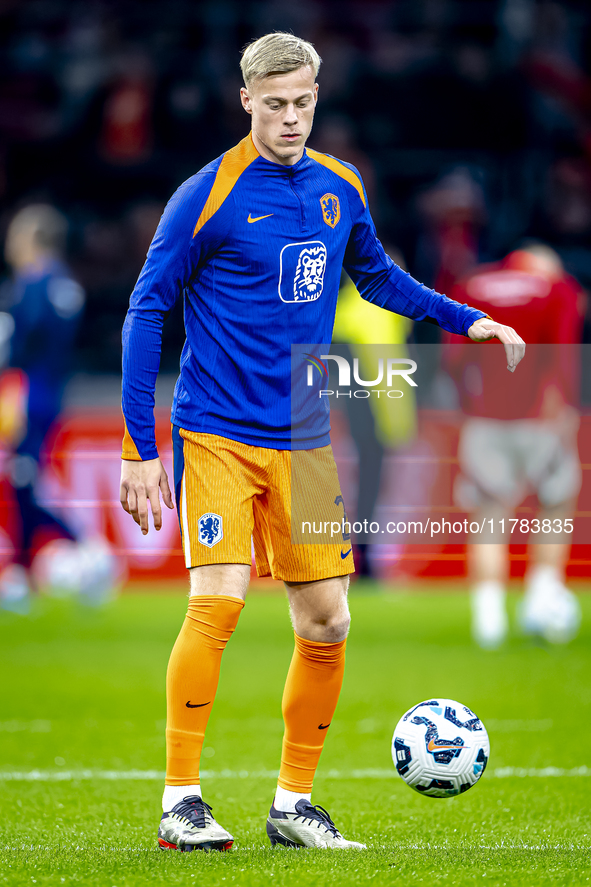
(268, 154)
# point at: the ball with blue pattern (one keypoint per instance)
(440, 748)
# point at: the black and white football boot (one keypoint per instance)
(309, 826)
(191, 826)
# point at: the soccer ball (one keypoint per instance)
(57, 569)
(440, 748)
(88, 569)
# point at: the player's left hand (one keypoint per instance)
(485, 328)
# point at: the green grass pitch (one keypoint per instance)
(82, 700)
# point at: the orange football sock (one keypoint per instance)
(192, 681)
(310, 697)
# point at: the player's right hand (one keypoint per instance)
(141, 482)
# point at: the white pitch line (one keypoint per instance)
(458, 844)
(158, 775)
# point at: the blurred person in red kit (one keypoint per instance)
(522, 440)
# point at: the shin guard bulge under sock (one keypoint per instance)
(192, 680)
(310, 697)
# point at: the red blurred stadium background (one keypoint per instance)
(81, 479)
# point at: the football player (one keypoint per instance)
(46, 308)
(255, 243)
(521, 440)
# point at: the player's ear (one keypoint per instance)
(246, 100)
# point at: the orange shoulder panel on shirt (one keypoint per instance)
(129, 451)
(233, 164)
(340, 169)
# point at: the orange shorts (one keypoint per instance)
(229, 493)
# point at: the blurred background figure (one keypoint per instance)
(455, 214)
(520, 438)
(376, 425)
(46, 306)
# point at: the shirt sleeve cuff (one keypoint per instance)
(472, 315)
(130, 452)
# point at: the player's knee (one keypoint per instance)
(338, 629)
(319, 610)
(329, 628)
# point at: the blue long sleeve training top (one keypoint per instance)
(256, 250)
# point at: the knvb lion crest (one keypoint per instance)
(308, 282)
(331, 209)
(211, 529)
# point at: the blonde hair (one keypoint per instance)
(47, 225)
(277, 53)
